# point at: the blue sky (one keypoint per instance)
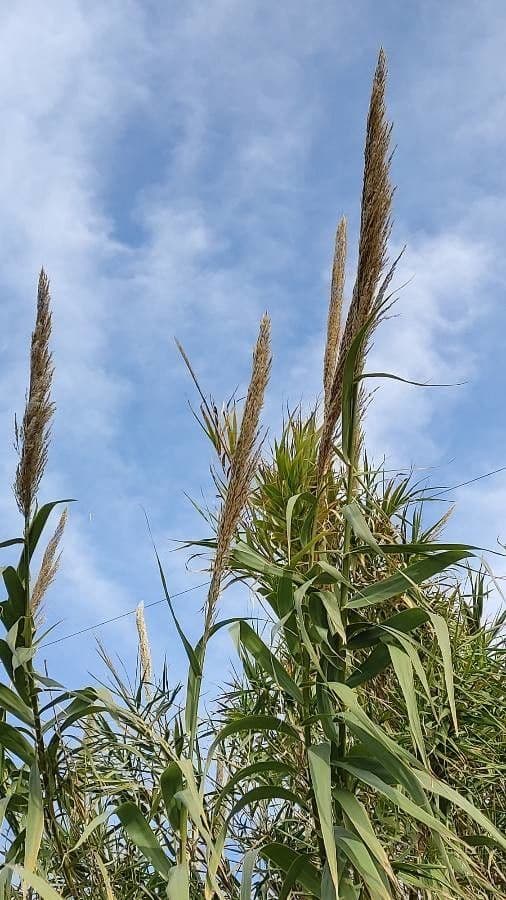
(178, 168)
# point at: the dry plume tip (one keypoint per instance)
(49, 566)
(146, 663)
(375, 226)
(243, 463)
(335, 310)
(33, 435)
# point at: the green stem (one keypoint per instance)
(351, 455)
(306, 711)
(49, 812)
(212, 597)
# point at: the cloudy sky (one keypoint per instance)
(180, 167)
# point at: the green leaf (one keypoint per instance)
(407, 578)
(422, 547)
(354, 515)
(194, 663)
(329, 600)
(248, 772)
(252, 642)
(11, 739)
(407, 645)
(244, 557)
(357, 814)
(405, 621)
(6, 658)
(398, 761)
(321, 779)
(248, 867)
(34, 819)
(45, 891)
(13, 609)
(171, 782)
(266, 792)
(39, 521)
(140, 833)
(349, 388)
(177, 883)
(195, 678)
(327, 887)
(92, 826)
(443, 639)
(105, 878)
(404, 671)
(263, 792)
(191, 798)
(283, 857)
(335, 576)
(11, 542)
(251, 723)
(358, 854)
(435, 786)
(291, 878)
(289, 513)
(402, 801)
(373, 665)
(298, 598)
(13, 704)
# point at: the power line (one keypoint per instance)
(66, 637)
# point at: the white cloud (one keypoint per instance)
(429, 339)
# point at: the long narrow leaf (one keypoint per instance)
(321, 779)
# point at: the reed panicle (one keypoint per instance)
(243, 464)
(33, 435)
(145, 658)
(335, 311)
(375, 226)
(49, 566)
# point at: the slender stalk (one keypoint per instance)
(306, 697)
(49, 811)
(351, 474)
(242, 468)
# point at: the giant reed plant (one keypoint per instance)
(360, 750)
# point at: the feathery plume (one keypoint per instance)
(32, 437)
(375, 226)
(144, 647)
(49, 566)
(335, 310)
(243, 464)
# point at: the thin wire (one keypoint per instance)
(130, 612)
(471, 481)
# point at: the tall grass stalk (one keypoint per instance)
(243, 463)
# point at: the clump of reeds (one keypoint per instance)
(375, 227)
(32, 436)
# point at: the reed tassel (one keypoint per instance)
(375, 226)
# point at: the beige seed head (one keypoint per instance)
(243, 463)
(144, 647)
(32, 437)
(335, 310)
(49, 566)
(375, 226)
